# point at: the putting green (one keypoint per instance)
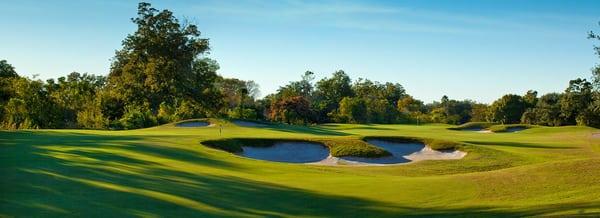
(165, 171)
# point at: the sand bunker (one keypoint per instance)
(248, 123)
(291, 152)
(193, 124)
(596, 135)
(401, 153)
(314, 153)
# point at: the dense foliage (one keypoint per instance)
(161, 75)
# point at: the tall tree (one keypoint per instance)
(596, 70)
(329, 93)
(575, 100)
(507, 109)
(7, 70)
(160, 62)
(546, 112)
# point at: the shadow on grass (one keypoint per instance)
(519, 145)
(314, 130)
(38, 181)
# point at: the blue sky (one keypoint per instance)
(475, 50)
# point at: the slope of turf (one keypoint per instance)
(166, 171)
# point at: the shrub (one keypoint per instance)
(135, 118)
(16, 116)
(91, 117)
(165, 114)
(188, 110)
(247, 113)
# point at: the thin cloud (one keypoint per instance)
(374, 17)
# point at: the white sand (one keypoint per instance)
(424, 154)
(291, 152)
(317, 154)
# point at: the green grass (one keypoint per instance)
(508, 127)
(166, 171)
(473, 126)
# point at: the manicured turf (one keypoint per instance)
(165, 171)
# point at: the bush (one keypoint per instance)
(166, 113)
(16, 116)
(188, 110)
(247, 114)
(135, 118)
(91, 117)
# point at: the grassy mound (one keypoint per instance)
(473, 126)
(435, 144)
(183, 123)
(353, 147)
(337, 147)
(509, 127)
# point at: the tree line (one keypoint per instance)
(161, 74)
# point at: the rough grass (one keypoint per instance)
(165, 172)
(473, 126)
(508, 127)
(352, 147)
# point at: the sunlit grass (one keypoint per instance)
(166, 171)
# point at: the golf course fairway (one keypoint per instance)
(167, 171)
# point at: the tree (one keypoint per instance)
(507, 109)
(381, 111)
(575, 100)
(237, 94)
(330, 91)
(450, 111)
(72, 93)
(596, 69)
(39, 111)
(591, 116)
(530, 99)
(90, 116)
(291, 110)
(479, 112)
(7, 75)
(7, 70)
(410, 109)
(352, 110)
(160, 62)
(16, 116)
(303, 88)
(546, 111)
